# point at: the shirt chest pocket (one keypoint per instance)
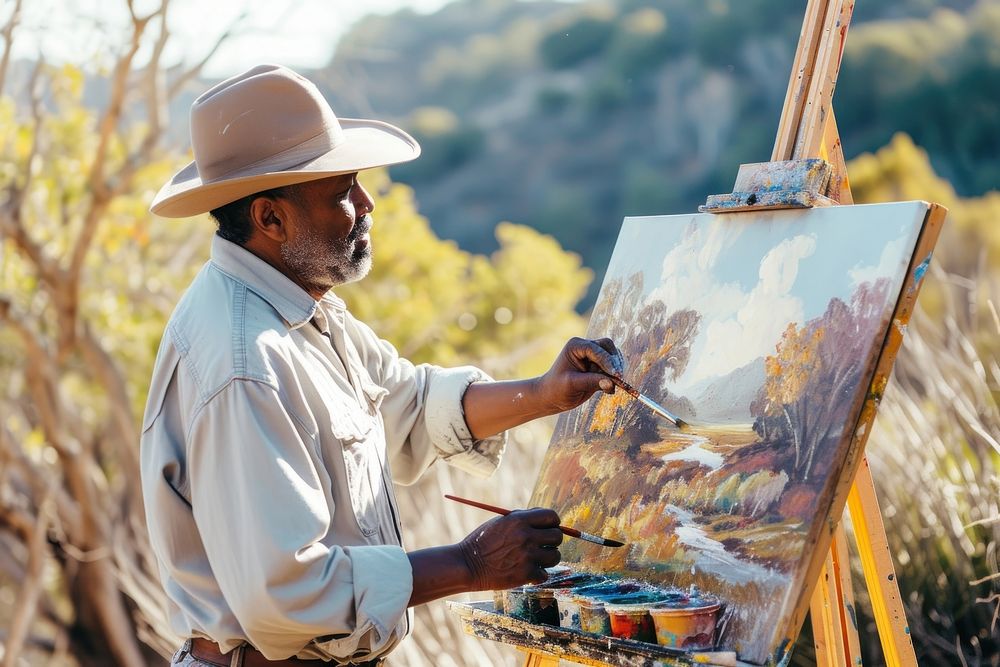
(361, 439)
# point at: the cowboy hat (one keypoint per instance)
(270, 127)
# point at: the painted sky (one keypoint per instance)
(750, 276)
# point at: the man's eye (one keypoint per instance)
(345, 193)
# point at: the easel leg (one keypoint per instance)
(540, 660)
(835, 631)
(869, 533)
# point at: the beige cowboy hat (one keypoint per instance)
(270, 127)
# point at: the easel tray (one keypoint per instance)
(480, 620)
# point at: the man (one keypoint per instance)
(274, 417)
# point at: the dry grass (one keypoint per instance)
(935, 456)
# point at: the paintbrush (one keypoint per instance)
(649, 403)
(566, 530)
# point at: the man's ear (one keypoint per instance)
(269, 217)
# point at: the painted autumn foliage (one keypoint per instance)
(811, 378)
(656, 344)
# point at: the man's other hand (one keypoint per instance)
(512, 550)
(581, 369)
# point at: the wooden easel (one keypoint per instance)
(808, 169)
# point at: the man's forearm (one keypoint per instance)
(438, 572)
(494, 407)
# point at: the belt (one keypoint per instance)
(208, 651)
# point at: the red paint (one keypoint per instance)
(632, 624)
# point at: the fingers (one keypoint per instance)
(598, 356)
(538, 517)
(514, 549)
(545, 557)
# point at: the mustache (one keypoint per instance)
(362, 226)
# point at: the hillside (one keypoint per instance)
(569, 116)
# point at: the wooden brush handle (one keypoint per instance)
(629, 389)
(482, 506)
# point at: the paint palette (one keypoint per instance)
(621, 608)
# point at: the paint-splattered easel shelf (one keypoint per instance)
(480, 619)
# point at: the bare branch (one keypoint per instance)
(8, 41)
(27, 598)
(126, 431)
(12, 211)
(97, 178)
(195, 70)
(36, 121)
(40, 483)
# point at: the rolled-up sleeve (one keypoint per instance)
(262, 509)
(423, 415)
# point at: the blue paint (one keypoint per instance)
(921, 270)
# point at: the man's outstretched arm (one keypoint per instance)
(580, 370)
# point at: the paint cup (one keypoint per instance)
(631, 621)
(568, 601)
(593, 616)
(569, 609)
(516, 602)
(499, 605)
(542, 605)
(690, 627)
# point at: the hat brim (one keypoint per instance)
(367, 144)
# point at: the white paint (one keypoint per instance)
(714, 559)
(695, 452)
(890, 262)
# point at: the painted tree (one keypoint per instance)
(656, 344)
(786, 379)
(811, 382)
(848, 352)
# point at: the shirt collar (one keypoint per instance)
(293, 303)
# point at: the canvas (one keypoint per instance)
(762, 330)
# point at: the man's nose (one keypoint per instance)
(363, 202)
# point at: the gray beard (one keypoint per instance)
(323, 263)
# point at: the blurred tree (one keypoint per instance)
(569, 45)
(85, 284)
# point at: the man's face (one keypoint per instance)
(328, 242)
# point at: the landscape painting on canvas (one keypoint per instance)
(762, 331)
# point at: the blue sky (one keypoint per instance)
(750, 277)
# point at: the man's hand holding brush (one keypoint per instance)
(582, 368)
(504, 552)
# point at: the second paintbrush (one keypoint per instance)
(566, 530)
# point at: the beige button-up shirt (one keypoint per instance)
(270, 430)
